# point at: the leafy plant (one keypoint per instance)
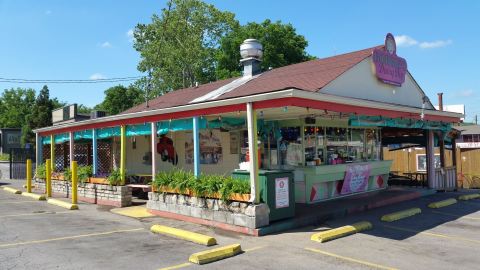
(4, 157)
(115, 178)
(84, 172)
(67, 174)
(41, 171)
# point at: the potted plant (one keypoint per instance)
(84, 172)
(115, 178)
(41, 171)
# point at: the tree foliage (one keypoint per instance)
(120, 98)
(282, 46)
(179, 46)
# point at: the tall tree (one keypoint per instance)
(15, 105)
(179, 46)
(281, 46)
(120, 98)
(40, 116)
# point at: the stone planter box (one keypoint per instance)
(118, 196)
(241, 216)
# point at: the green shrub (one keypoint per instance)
(67, 174)
(4, 157)
(207, 185)
(84, 172)
(41, 171)
(115, 178)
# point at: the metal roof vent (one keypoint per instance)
(251, 51)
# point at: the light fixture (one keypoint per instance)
(285, 109)
(261, 113)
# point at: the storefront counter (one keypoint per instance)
(327, 182)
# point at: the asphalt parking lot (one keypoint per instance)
(37, 235)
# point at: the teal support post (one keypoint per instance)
(39, 148)
(196, 146)
(94, 152)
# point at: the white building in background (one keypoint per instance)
(457, 108)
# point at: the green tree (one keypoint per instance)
(40, 116)
(281, 46)
(120, 98)
(15, 105)
(179, 46)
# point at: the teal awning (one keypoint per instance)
(379, 121)
(84, 134)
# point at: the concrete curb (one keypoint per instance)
(34, 196)
(469, 197)
(401, 214)
(185, 235)
(12, 190)
(443, 203)
(63, 204)
(215, 254)
(341, 231)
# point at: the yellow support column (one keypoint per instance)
(48, 178)
(52, 153)
(29, 175)
(74, 182)
(123, 154)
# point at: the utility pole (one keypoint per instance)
(476, 120)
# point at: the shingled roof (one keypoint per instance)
(309, 76)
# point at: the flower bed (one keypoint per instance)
(206, 186)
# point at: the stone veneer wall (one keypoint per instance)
(119, 196)
(240, 214)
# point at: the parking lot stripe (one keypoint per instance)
(454, 215)
(439, 235)
(374, 265)
(253, 249)
(178, 266)
(19, 202)
(34, 214)
(68, 237)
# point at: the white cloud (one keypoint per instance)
(97, 76)
(48, 12)
(435, 44)
(130, 36)
(405, 41)
(465, 93)
(106, 44)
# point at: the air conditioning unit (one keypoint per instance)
(97, 114)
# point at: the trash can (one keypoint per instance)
(276, 190)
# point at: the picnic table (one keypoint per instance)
(419, 177)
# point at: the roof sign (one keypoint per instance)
(388, 67)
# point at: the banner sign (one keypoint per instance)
(468, 145)
(281, 193)
(356, 178)
(388, 67)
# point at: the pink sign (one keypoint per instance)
(356, 178)
(389, 68)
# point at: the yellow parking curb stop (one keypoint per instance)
(469, 197)
(401, 214)
(12, 190)
(69, 206)
(443, 203)
(185, 235)
(39, 197)
(341, 232)
(215, 254)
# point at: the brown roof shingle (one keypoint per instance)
(309, 76)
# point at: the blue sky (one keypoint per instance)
(89, 39)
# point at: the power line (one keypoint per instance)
(61, 81)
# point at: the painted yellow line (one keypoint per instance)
(35, 214)
(253, 249)
(401, 214)
(63, 204)
(373, 265)
(185, 235)
(178, 266)
(454, 215)
(343, 231)
(2, 203)
(443, 203)
(215, 254)
(67, 238)
(12, 190)
(438, 235)
(467, 197)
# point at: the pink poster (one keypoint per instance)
(356, 178)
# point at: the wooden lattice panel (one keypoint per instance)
(45, 152)
(104, 155)
(61, 157)
(82, 153)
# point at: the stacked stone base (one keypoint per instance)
(118, 196)
(239, 216)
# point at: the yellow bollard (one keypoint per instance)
(29, 175)
(74, 182)
(48, 178)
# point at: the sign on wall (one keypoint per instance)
(422, 162)
(388, 67)
(356, 178)
(210, 148)
(13, 138)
